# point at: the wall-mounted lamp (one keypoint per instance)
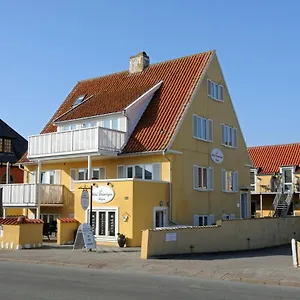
(109, 183)
(125, 217)
(161, 203)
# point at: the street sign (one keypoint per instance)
(84, 238)
(85, 199)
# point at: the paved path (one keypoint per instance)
(40, 282)
(268, 266)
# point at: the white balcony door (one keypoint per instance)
(287, 179)
(244, 206)
(50, 177)
(160, 217)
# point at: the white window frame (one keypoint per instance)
(210, 220)
(234, 183)
(48, 216)
(156, 171)
(253, 185)
(207, 135)
(111, 123)
(105, 209)
(226, 132)
(287, 184)
(212, 87)
(165, 211)
(209, 178)
(48, 174)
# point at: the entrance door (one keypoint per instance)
(244, 206)
(160, 217)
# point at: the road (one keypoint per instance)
(42, 282)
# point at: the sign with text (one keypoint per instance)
(171, 237)
(103, 194)
(85, 199)
(85, 238)
(217, 156)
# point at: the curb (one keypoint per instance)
(253, 280)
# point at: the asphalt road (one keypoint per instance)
(42, 282)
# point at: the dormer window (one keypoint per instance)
(78, 100)
(5, 145)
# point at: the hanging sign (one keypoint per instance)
(85, 199)
(84, 238)
(103, 194)
(217, 156)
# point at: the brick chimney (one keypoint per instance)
(138, 63)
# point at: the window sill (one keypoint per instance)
(230, 147)
(217, 100)
(202, 190)
(203, 140)
(230, 192)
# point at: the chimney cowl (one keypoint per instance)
(138, 63)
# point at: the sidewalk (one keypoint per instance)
(267, 266)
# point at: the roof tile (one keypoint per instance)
(14, 221)
(269, 159)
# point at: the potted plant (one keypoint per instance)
(121, 240)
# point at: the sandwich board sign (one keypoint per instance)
(85, 238)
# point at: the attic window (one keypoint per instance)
(78, 100)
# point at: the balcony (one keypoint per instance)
(26, 195)
(271, 189)
(96, 140)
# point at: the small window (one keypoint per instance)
(229, 136)
(230, 181)
(203, 178)
(252, 180)
(202, 128)
(204, 220)
(107, 123)
(115, 124)
(5, 145)
(78, 100)
(147, 171)
(215, 91)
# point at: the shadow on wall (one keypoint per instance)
(284, 250)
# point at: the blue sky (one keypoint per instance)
(47, 46)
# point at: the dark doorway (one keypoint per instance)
(253, 209)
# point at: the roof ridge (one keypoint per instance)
(151, 65)
(274, 145)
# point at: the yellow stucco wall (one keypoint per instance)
(186, 201)
(31, 234)
(11, 234)
(228, 236)
(65, 232)
(14, 212)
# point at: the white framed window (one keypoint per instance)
(202, 128)
(287, 174)
(49, 218)
(50, 177)
(68, 127)
(89, 125)
(228, 216)
(229, 181)
(105, 223)
(160, 217)
(253, 174)
(204, 220)
(82, 174)
(215, 91)
(229, 136)
(142, 171)
(203, 178)
(112, 123)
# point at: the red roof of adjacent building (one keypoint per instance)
(14, 221)
(269, 159)
(112, 93)
(68, 220)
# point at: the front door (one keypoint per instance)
(244, 205)
(160, 217)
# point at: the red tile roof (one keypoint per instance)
(269, 159)
(114, 92)
(68, 220)
(14, 221)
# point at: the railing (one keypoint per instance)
(267, 188)
(27, 194)
(79, 141)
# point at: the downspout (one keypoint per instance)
(170, 189)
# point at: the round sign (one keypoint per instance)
(217, 156)
(103, 194)
(85, 199)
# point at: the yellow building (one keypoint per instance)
(160, 144)
(275, 180)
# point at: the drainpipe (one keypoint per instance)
(170, 189)
(37, 180)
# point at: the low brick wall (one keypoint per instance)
(16, 234)
(230, 235)
(65, 230)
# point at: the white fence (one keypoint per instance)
(85, 140)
